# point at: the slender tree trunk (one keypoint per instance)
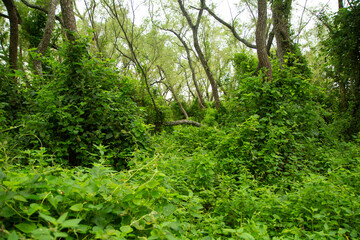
(341, 4)
(91, 12)
(179, 103)
(14, 33)
(204, 63)
(69, 19)
(45, 41)
(163, 77)
(264, 61)
(193, 75)
(129, 39)
(343, 94)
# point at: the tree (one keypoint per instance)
(126, 30)
(281, 16)
(264, 61)
(190, 63)
(342, 48)
(69, 19)
(195, 27)
(45, 41)
(163, 76)
(14, 33)
(231, 27)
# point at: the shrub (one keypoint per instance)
(86, 103)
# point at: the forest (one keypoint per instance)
(177, 119)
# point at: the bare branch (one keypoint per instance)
(230, 27)
(3, 15)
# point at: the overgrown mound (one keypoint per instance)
(273, 128)
(84, 103)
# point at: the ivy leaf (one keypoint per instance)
(60, 235)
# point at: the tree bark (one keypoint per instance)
(183, 122)
(67, 11)
(46, 38)
(14, 33)
(204, 63)
(341, 4)
(281, 14)
(264, 61)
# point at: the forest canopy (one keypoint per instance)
(182, 123)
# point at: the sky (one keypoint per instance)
(227, 8)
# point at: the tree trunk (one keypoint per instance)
(163, 77)
(183, 122)
(69, 19)
(264, 61)
(193, 75)
(281, 13)
(179, 103)
(341, 4)
(45, 41)
(14, 33)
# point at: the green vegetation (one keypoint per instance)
(86, 153)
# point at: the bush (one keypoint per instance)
(273, 128)
(86, 103)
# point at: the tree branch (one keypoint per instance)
(183, 122)
(4, 15)
(230, 27)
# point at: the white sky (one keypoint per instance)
(226, 9)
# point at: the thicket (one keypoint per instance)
(78, 161)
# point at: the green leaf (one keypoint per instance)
(60, 235)
(20, 198)
(13, 236)
(48, 218)
(26, 227)
(62, 218)
(126, 229)
(77, 207)
(71, 223)
(42, 233)
(33, 208)
(2, 175)
(247, 236)
(169, 209)
(6, 212)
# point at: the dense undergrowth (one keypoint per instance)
(77, 162)
(180, 192)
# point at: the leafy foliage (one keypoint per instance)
(274, 127)
(77, 160)
(86, 103)
(342, 50)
